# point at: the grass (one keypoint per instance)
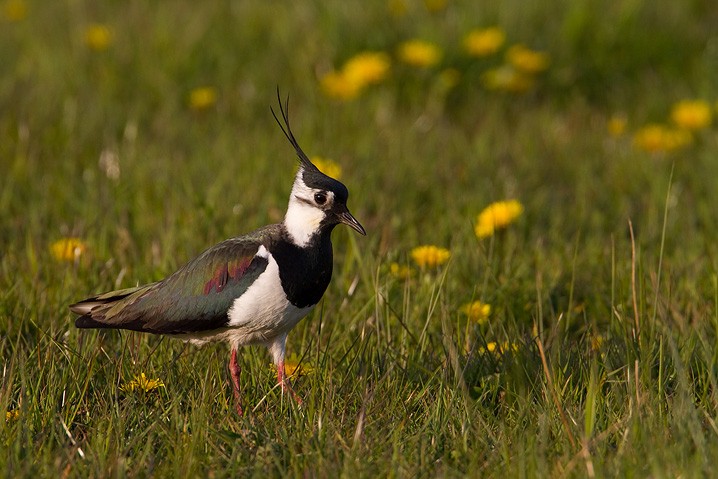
(607, 285)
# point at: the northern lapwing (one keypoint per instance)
(252, 289)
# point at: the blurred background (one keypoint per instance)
(108, 110)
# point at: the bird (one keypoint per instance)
(248, 290)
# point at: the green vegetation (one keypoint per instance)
(137, 134)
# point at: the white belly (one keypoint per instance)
(260, 314)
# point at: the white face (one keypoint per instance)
(306, 210)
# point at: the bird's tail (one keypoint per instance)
(93, 310)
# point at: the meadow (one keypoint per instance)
(569, 330)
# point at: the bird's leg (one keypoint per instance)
(234, 372)
(283, 381)
(277, 348)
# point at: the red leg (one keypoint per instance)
(235, 371)
(277, 348)
(283, 381)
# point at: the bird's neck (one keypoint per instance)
(303, 222)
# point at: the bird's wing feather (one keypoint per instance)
(195, 298)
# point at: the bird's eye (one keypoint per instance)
(320, 198)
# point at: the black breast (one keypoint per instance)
(305, 272)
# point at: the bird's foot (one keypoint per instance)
(287, 389)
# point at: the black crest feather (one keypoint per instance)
(284, 110)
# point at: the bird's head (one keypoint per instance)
(318, 202)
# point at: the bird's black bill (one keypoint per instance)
(346, 218)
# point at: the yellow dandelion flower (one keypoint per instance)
(363, 69)
(400, 271)
(294, 368)
(435, 6)
(497, 216)
(327, 166)
(14, 10)
(499, 348)
(202, 98)
(484, 42)
(12, 415)
(142, 383)
(596, 342)
(68, 249)
(336, 85)
(691, 114)
(419, 53)
(367, 68)
(650, 138)
(507, 78)
(527, 60)
(477, 311)
(655, 138)
(98, 37)
(616, 125)
(429, 256)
